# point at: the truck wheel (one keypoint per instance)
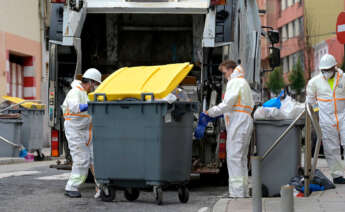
(183, 194)
(108, 194)
(159, 196)
(132, 194)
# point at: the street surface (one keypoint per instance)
(34, 187)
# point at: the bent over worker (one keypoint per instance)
(326, 93)
(237, 107)
(78, 130)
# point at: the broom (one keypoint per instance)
(23, 153)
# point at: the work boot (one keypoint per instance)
(339, 180)
(73, 194)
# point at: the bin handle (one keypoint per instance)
(143, 96)
(100, 94)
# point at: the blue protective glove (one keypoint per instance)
(204, 119)
(83, 107)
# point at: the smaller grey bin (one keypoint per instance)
(283, 162)
(10, 129)
(32, 129)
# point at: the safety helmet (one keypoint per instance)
(93, 74)
(327, 61)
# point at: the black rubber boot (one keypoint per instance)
(339, 180)
(73, 194)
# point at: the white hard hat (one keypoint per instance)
(327, 61)
(93, 74)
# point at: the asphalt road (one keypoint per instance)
(34, 187)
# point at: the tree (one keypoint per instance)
(296, 78)
(276, 81)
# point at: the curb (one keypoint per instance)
(220, 205)
(7, 161)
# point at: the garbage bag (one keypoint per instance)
(314, 187)
(274, 102)
(204, 119)
(319, 182)
(298, 183)
(320, 179)
(290, 108)
(268, 113)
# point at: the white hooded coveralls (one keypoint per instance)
(237, 107)
(78, 130)
(331, 104)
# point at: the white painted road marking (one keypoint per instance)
(204, 209)
(18, 173)
(341, 28)
(63, 176)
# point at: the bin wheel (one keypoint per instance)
(108, 194)
(132, 194)
(183, 194)
(159, 196)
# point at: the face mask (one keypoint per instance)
(327, 75)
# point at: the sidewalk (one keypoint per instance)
(13, 160)
(324, 201)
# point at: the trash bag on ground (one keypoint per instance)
(319, 182)
(321, 179)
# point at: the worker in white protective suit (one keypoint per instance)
(326, 93)
(237, 107)
(78, 130)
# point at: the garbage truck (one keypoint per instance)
(110, 34)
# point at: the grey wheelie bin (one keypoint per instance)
(284, 161)
(32, 129)
(10, 129)
(142, 144)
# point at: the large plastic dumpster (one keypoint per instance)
(32, 129)
(283, 162)
(139, 144)
(11, 130)
(32, 115)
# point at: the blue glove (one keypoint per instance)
(83, 107)
(204, 119)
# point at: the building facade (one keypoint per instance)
(21, 35)
(307, 32)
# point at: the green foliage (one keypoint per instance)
(276, 81)
(296, 78)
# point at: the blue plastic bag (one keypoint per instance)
(274, 102)
(314, 187)
(204, 119)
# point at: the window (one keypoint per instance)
(283, 4)
(16, 76)
(297, 27)
(289, 3)
(291, 62)
(286, 64)
(284, 33)
(290, 30)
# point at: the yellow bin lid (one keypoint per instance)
(28, 105)
(131, 82)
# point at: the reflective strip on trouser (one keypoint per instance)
(331, 147)
(82, 155)
(239, 131)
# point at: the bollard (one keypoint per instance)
(286, 198)
(256, 183)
